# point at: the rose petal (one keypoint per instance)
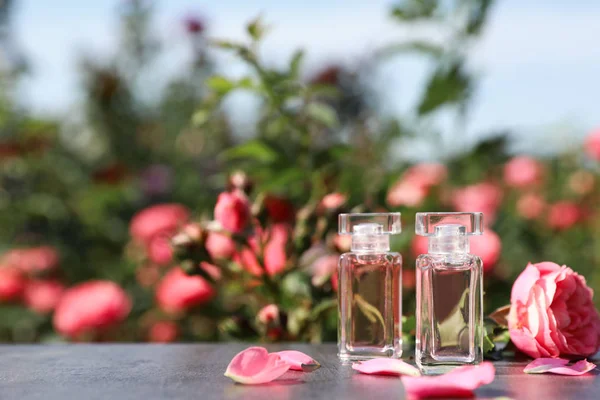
(460, 382)
(255, 365)
(386, 366)
(558, 366)
(296, 358)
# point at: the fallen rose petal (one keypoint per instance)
(386, 366)
(296, 359)
(558, 366)
(460, 382)
(255, 365)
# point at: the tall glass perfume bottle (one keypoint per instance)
(449, 329)
(370, 288)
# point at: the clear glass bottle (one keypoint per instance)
(449, 328)
(370, 288)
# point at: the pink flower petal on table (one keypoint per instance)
(386, 366)
(558, 366)
(255, 365)
(296, 359)
(460, 382)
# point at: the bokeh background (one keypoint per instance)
(173, 170)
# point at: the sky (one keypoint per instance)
(538, 61)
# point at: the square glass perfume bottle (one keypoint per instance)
(449, 328)
(370, 288)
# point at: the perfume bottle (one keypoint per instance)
(370, 288)
(449, 328)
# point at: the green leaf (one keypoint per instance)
(417, 46)
(488, 344)
(447, 85)
(411, 10)
(245, 83)
(227, 45)
(322, 113)
(254, 149)
(220, 84)
(295, 63)
(200, 117)
(256, 29)
(409, 324)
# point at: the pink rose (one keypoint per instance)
(158, 219)
(414, 186)
(419, 245)
(522, 172)
(43, 296)
(484, 197)
(163, 332)
(343, 243)
(89, 307)
(279, 209)
(333, 201)
(159, 249)
(592, 145)
(323, 268)
(177, 291)
(268, 314)
(219, 245)
(233, 211)
(563, 215)
(487, 247)
(12, 283)
(32, 260)
(530, 205)
(274, 256)
(552, 313)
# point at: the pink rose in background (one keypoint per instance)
(409, 278)
(333, 201)
(32, 260)
(43, 296)
(552, 313)
(484, 197)
(219, 245)
(177, 291)
(342, 243)
(414, 186)
(89, 307)
(522, 172)
(159, 249)
(582, 182)
(233, 211)
(488, 247)
(592, 145)
(419, 245)
(158, 219)
(531, 205)
(12, 283)
(163, 332)
(563, 215)
(268, 314)
(275, 256)
(324, 268)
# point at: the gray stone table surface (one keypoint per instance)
(195, 371)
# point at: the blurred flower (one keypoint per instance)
(156, 180)
(552, 313)
(42, 296)
(342, 243)
(111, 174)
(279, 209)
(333, 201)
(90, 307)
(194, 25)
(522, 172)
(163, 332)
(327, 76)
(592, 145)
(414, 185)
(488, 247)
(419, 245)
(177, 291)
(12, 283)
(409, 278)
(158, 219)
(219, 245)
(582, 182)
(160, 250)
(484, 197)
(239, 180)
(233, 211)
(323, 268)
(563, 215)
(32, 260)
(334, 281)
(530, 205)
(268, 314)
(246, 258)
(275, 250)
